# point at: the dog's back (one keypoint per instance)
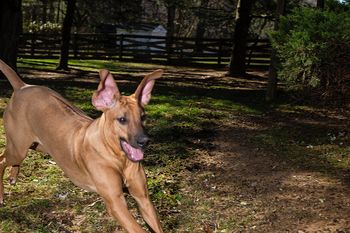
(41, 107)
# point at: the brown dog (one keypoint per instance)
(97, 155)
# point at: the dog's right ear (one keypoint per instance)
(107, 92)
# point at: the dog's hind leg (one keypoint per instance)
(13, 174)
(3, 165)
(13, 156)
(15, 168)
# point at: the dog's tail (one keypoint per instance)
(11, 75)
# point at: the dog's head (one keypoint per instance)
(124, 116)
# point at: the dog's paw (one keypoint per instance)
(12, 180)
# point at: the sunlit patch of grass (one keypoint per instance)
(39, 64)
(89, 65)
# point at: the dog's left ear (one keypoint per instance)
(144, 90)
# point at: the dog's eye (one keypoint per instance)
(122, 120)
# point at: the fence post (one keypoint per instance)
(32, 48)
(75, 45)
(220, 52)
(169, 49)
(121, 45)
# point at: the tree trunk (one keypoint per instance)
(320, 4)
(66, 30)
(237, 63)
(170, 28)
(10, 29)
(51, 11)
(44, 14)
(201, 27)
(272, 82)
(58, 11)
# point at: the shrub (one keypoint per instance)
(313, 47)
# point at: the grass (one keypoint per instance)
(182, 122)
(87, 65)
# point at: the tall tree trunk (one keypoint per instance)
(44, 13)
(66, 30)
(170, 28)
(237, 63)
(10, 29)
(51, 11)
(58, 11)
(272, 82)
(320, 4)
(201, 27)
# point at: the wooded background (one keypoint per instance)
(225, 32)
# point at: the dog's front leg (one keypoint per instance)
(137, 186)
(117, 208)
(109, 186)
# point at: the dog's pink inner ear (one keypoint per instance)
(146, 92)
(107, 93)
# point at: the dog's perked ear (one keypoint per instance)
(144, 90)
(107, 92)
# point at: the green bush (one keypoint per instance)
(313, 47)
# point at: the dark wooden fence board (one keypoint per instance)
(136, 47)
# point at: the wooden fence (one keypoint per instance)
(143, 48)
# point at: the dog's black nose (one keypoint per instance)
(142, 141)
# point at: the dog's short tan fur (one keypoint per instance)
(98, 155)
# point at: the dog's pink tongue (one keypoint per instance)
(133, 153)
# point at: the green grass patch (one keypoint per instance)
(87, 65)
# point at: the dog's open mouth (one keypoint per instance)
(133, 153)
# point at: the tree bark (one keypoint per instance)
(237, 63)
(272, 81)
(202, 21)
(58, 11)
(65, 35)
(44, 13)
(320, 4)
(10, 29)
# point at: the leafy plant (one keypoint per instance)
(313, 47)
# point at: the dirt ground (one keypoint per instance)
(256, 189)
(263, 192)
(259, 190)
